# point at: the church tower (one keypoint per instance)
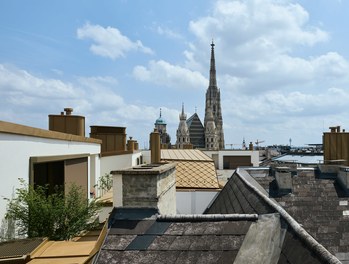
(183, 138)
(211, 136)
(160, 125)
(213, 106)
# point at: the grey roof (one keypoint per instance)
(242, 225)
(242, 194)
(320, 206)
(150, 238)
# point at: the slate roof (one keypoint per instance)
(194, 169)
(242, 194)
(139, 235)
(320, 206)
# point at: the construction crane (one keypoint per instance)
(258, 142)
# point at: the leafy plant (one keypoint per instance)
(106, 182)
(57, 216)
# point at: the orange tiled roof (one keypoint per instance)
(184, 154)
(196, 175)
(194, 169)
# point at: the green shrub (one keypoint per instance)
(56, 216)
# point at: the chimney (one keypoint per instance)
(333, 129)
(155, 147)
(67, 123)
(283, 179)
(343, 178)
(68, 110)
(130, 144)
(250, 146)
(146, 186)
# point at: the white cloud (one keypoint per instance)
(109, 41)
(20, 83)
(163, 73)
(168, 33)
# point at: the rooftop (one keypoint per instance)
(320, 206)
(11, 128)
(243, 194)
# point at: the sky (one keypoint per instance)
(282, 65)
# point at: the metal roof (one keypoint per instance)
(303, 159)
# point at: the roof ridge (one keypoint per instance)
(303, 234)
(206, 217)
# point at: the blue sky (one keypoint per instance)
(282, 66)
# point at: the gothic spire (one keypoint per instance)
(213, 81)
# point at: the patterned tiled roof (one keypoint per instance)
(196, 175)
(194, 169)
(184, 154)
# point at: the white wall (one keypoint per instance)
(193, 202)
(117, 162)
(15, 153)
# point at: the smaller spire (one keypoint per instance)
(182, 116)
(160, 111)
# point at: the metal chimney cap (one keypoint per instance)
(68, 110)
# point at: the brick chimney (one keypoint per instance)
(147, 186)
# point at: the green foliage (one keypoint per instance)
(56, 216)
(106, 182)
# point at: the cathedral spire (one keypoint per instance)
(213, 81)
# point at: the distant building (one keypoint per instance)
(183, 138)
(213, 109)
(209, 136)
(196, 131)
(160, 125)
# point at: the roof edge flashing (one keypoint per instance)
(206, 217)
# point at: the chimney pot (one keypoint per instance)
(68, 110)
